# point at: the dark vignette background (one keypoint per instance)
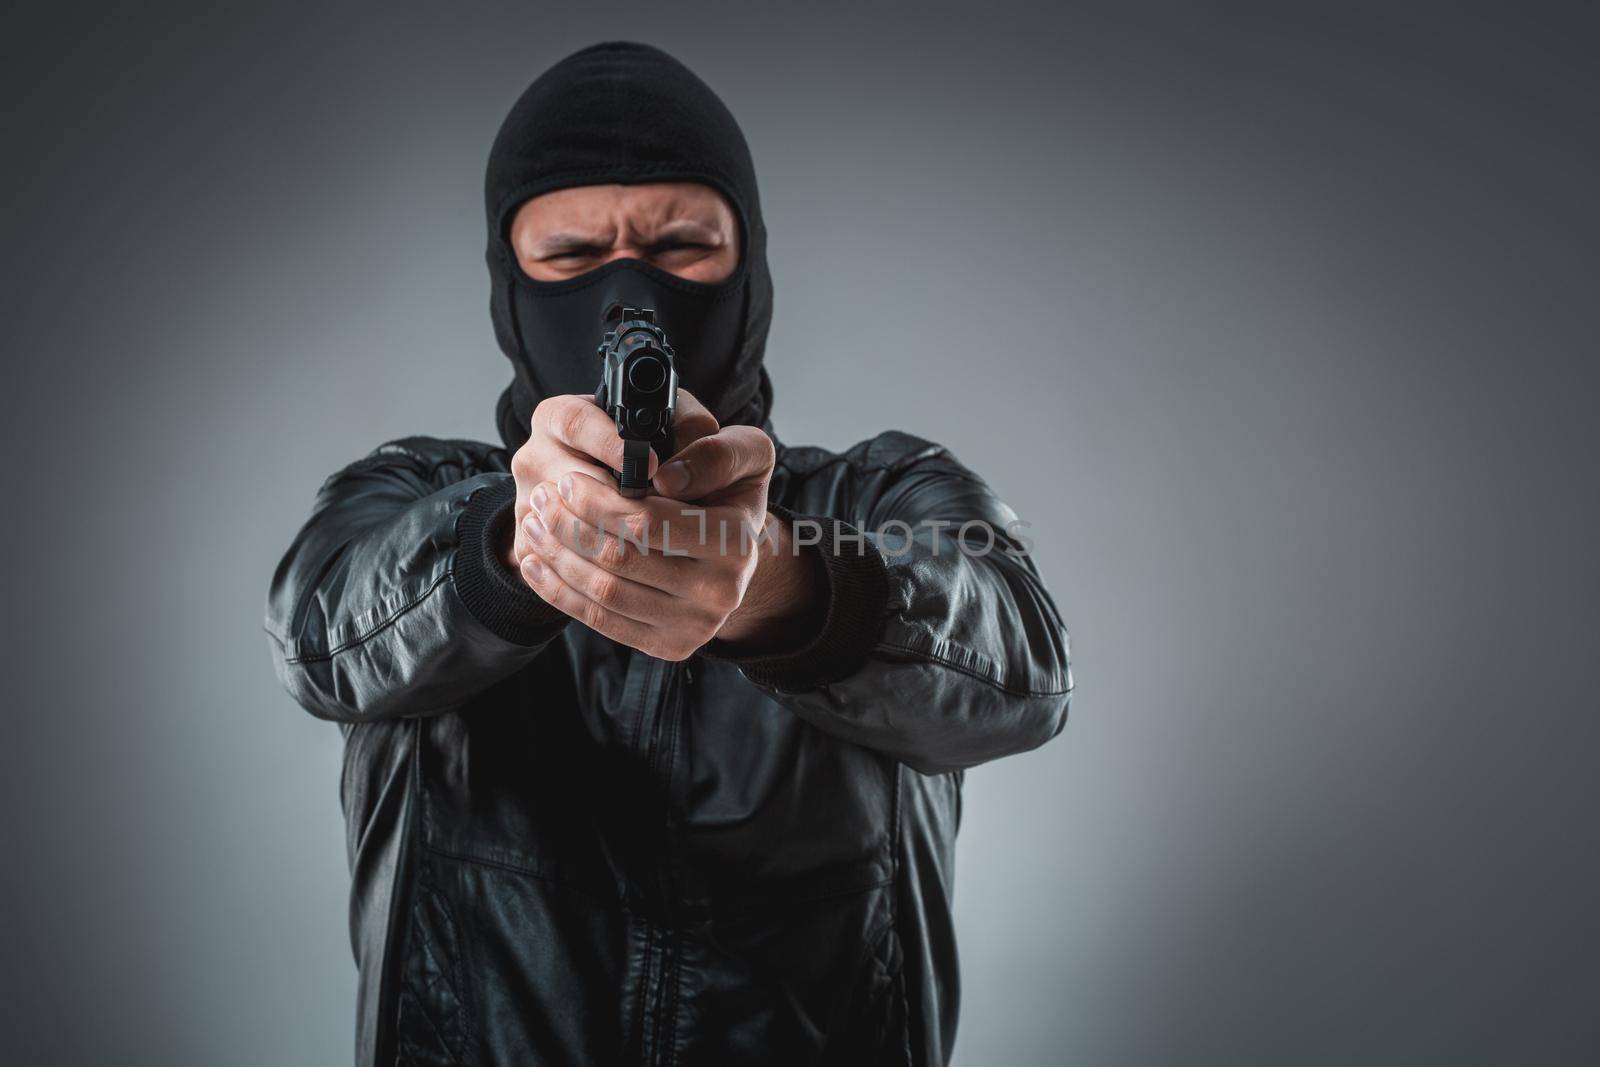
(1279, 323)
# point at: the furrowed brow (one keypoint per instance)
(567, 241)
(687, 230)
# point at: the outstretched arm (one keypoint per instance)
(394, 599)
(937, 644)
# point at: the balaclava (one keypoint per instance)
(625, 113)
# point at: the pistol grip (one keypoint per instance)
(633, 480)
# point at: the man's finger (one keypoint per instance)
(625, 559)
(624, 536)
(578, 424)
(713, 463)
(692, 421)
(543, 579)
(615, 592)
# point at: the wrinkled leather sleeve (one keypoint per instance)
(391, 600)
(940, 657)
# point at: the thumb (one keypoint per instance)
(693, 421)
(725, 458)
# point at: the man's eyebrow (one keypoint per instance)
(567, 241)
(688, 230)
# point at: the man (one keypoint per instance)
(681, 804)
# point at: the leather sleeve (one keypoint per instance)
(939, 647)
(392, 601)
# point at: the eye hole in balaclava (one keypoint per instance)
(625, 113)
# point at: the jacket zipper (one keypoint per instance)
(652, 752)
(662, 942)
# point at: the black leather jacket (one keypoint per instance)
(565, 852)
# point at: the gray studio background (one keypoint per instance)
(1280, 326)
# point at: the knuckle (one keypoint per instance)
(636, 525)
(544, 413)
(569, 422)
(720, 597)
(712, 601)
(594, 616)
(614, 452)
(611, 553)
(766, 451)
(755, 444)
(603, 588)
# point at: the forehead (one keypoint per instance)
(646, 206)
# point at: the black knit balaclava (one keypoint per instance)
(625, 113)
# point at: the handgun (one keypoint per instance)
(638, 389)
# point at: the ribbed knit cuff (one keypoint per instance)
(492, 593)
(855, 595)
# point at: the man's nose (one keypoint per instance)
(627, 251)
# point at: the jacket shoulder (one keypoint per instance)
(890, 451)
(429, 458)
(852, 483)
